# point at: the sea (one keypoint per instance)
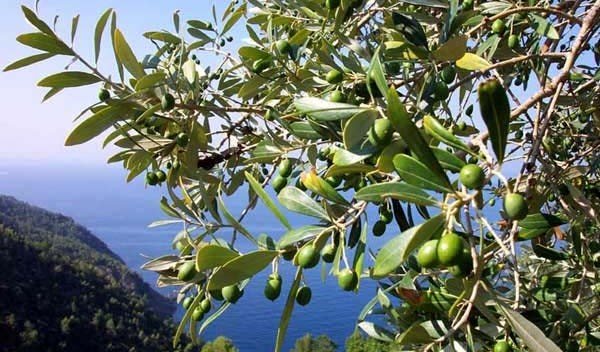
(98, 197)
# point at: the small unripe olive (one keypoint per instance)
(308, 257)
(103, 95)
(515, 206)
(334, 77)
(151, 179)
(160, 176)
(498, 27)
(328, 253)
(472, 176)
(347, 279)
(197, 314)
(283, 46)
(187, 302)
(167, 102)
(379, 228)
(449, 249)
(427, 254)
(231, 293)
(187, 271)
(303, 295)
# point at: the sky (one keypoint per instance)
(33, 132)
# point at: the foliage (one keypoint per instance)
(358, 343)
(63, 290)
(400, 124)
(220, 344)
(307, 343)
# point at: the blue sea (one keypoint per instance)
(119, 213)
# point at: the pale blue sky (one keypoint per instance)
(35, 132)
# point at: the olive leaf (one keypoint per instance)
(300, 234)
(212, 256)
(418, 174)
(297, 201)
(396, 190)
(396, 251)
(126, 56)
(472, 62)
(258, 189)
(323, 110)
(532, 336)
(69, 79)
(411, 135)
(241, 268)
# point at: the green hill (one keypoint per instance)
(62, 289)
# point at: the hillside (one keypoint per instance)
(62, 289)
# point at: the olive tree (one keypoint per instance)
(428, 111)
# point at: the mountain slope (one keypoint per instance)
(62, 289)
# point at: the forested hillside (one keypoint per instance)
(62, 289)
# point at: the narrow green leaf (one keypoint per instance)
(448, 160)
(199, 24)
(355, 130)
(377, 72)
(45, 43)
(412, 137)
(137, 163)
(472, 62)
(74, 25)
(452, 50)
(69, 79)
(323, 110)
(163, 37)
(260, 192)
(28, 61)
(397, 250)
(530, 334)
(430, 3)
(212, 256)
(252, 53)
(337, 170)
(386, 157)
(495, 111)
(233, 222)
(300, 234)
(297, 201)
(418, 174)
(126, 55)
(113, 29)
(287, 311)
(52, 92)
(149, 81)
(435, 129)
(541, 220)
(544, 27)
(96, 124)
(359, 254)
(343, 157)
(185, 319)
(303, 129)
(98, 32)
(396, 190)
(36, 21)
(241, 268)
(265, 152)
(233, 20)
(198, 34)
(423, 332)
